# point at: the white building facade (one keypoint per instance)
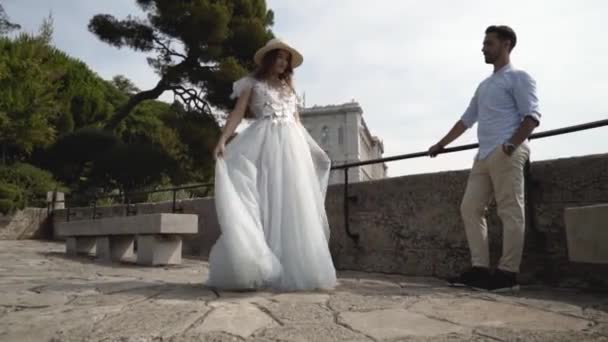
(341, 131)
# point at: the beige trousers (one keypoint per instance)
(502, 177)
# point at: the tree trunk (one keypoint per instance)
(134, 100)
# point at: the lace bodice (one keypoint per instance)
(268, 102)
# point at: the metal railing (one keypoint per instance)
(129, 199)
(545, 134)
(130, 208)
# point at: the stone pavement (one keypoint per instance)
(45, 296)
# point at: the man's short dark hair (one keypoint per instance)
(504, 33)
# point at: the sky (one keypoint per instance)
(412, 65)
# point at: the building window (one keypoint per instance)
(341, 135)
(325, 136)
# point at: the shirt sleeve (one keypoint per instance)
(526, 98)
(469, 118)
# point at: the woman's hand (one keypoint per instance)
(218, 152)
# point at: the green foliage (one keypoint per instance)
(145, 125)
(92, 159)
(53, 108)
(27, 94)
(198, 135)
(177, 145)
(86, 99)
(203, 44)
(33, 182)
(124, 85)
(187, 137)
(71, 159)
(166, 196)
(134, 166)
(45, 93)
(11, 198)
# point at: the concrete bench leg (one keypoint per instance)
(80, 245)
(159, 249)
(114, 248)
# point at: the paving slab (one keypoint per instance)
(45, 296)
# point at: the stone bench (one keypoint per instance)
(587, 233)
(158, 237)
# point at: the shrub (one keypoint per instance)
(11, 198)
(33, 182)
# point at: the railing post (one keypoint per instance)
(68, 212)
(128, 206)
(173, 208)
(350, 234)
(50, 205)
(94, 207)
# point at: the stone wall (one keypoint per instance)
(30, 223)
(411, 225)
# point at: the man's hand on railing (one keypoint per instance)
(435, 150)
(456, 131)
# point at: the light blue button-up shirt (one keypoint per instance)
(499, 105)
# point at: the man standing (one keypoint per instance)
(505, 106)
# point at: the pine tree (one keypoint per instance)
(200, 47)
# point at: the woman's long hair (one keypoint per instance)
(265, 69)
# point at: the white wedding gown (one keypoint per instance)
(270, 200)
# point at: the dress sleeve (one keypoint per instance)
(241, 85)
(299, 101)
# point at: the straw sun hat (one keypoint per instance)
(273, 44)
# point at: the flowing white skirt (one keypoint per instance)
(270, 200)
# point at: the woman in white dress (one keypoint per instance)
(270, 184)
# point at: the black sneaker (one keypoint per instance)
(475, 277)
(503, 281)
